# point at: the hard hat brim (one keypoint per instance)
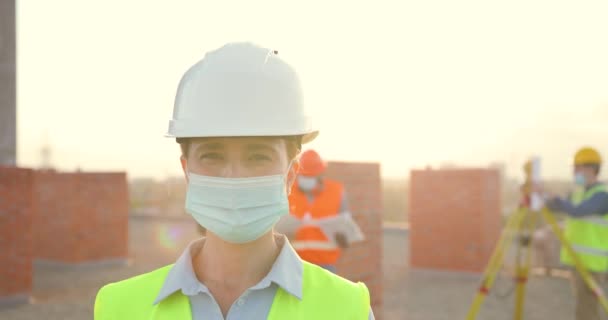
(309, 137)
(305, 138)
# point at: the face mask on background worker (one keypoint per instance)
(238, 210)
(307, 183)
(580, 179)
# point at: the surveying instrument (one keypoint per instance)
(520, 226)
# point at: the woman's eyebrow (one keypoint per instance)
(210, 146)
(260, 146)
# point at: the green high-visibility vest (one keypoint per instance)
(324, 296)
(588, 235)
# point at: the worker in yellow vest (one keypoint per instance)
(316, 197)
(586, 227)
(240, 122)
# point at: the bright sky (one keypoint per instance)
(406, 83)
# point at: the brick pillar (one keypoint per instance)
(363, 261)
(16, 207)
(83, 217)
(455, 218)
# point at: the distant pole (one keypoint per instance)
(45, 154)
(8, 91)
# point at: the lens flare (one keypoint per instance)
(168, 236)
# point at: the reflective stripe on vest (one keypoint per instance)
(326, 204)
(325, 296)
(590, 250)
(314, 245)
(597, 220)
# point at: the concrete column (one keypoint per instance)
(8, 92)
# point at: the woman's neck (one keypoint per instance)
(235, 266)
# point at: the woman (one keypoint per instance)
(240, 123)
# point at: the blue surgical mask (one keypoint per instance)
(238, 210)
(580, 179)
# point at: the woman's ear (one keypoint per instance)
(292, 175)
(184, 163)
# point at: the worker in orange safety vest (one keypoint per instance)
(316, 197)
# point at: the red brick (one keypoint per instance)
(16, 213)
(363, 261)
(454, 217)
(81, 217)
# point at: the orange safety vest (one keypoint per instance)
(310, 242)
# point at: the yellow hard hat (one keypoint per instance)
(587, 155)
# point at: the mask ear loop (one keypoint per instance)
(291, 175)
(187, 171)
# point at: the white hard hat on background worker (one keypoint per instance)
(237, 94)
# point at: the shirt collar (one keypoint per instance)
(286, 272)
(287, 269)
(182, 276)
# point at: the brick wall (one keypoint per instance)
(81, 217)
(16, 207)
(363, 261)
(455, 218)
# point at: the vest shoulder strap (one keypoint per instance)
(324, 296)
(598, 188)
(131, 298)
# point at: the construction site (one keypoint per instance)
(408, 274)
(440, 240)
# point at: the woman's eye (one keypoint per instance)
(210, 156)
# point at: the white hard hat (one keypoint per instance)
(240, 90)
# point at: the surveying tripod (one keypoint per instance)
(525, 219)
